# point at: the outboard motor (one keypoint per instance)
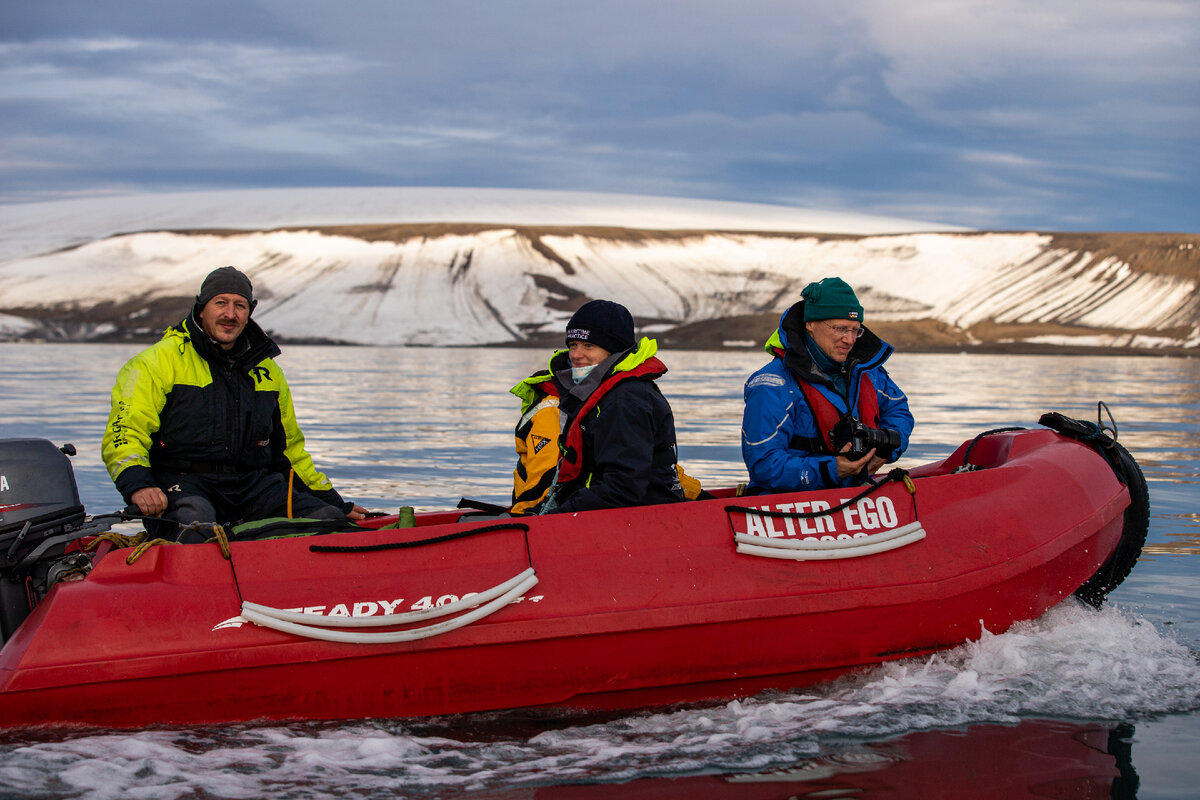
(40, 515)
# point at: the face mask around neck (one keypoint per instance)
(579, 373)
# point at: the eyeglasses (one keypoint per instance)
(842, 331)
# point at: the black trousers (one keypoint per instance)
(230, 498)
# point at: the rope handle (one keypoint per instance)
(141, 544)
(509, 591)
(967, 466)
(383, 620)
(373, 548)
(829, 548)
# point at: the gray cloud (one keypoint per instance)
(1048, 114)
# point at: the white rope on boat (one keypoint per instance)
(829, 547)
(382, 620)
(306, 625)
(828, 542)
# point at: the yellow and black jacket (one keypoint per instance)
(185, 405)
(537, 448)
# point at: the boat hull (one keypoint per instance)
(631, 607)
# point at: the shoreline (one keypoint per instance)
(979, 348)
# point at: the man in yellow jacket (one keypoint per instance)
(202, 427)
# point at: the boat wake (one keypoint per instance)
(1073, 664)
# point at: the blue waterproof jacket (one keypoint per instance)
(778, 426)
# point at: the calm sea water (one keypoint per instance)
(1075, 704)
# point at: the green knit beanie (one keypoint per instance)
(831, 298)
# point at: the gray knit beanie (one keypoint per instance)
(226, 280)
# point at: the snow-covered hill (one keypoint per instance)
(464, 267)
(33, 228)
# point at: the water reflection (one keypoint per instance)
(1032, 759)
(1184, 542)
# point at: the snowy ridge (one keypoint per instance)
(511, 283)
(31, 228)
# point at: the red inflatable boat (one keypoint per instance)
(619, 608)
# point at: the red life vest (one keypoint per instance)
(570, 444)
(827, 416)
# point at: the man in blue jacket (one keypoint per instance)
(824, 412)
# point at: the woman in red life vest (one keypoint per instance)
(825, 376)
(617, 441)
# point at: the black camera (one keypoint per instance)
(862, 438)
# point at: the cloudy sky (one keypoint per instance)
(995, 114)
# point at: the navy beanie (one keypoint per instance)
(602, 323)
(225, 280)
